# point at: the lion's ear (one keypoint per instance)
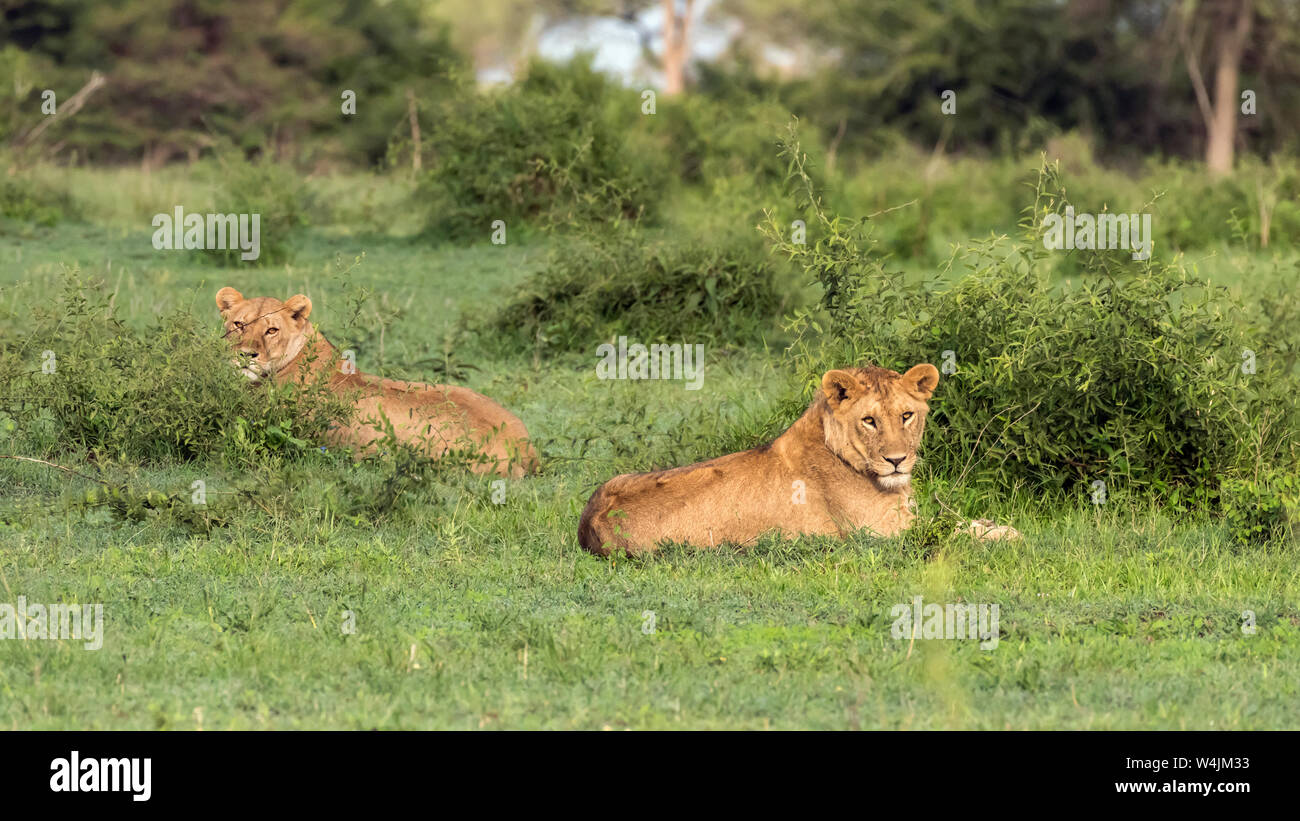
(838, 386)
(921, 380)
(298, 306)
(227, 297)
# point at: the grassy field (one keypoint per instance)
(470, 614)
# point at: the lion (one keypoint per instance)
(273, 339)
(844, 465)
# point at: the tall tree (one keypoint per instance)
(1224, 28)
(677, 31)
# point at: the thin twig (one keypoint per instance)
(58, 467)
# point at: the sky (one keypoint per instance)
(617, 44)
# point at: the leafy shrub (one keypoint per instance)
(546, 150)
(1130, 375)
(953, 198)
(168, 392)
(1196, 211)
(1277, 316)
(710, 141)
(948, 200)
(1261, 510)
(25, 201)
(599, 285)
(275, 191)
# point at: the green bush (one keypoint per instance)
(167, 392)
(25, 201)
(261, 186)
(548, 150)
(709, 141)
(932, 201)
(1129, 375)
(1263, 510)
(1196, 211)
(599, 285)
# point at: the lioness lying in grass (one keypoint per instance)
(845, 465)
(274, 339)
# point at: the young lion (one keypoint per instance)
(274, 339)
(845, 465)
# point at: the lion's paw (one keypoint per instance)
(989, 530)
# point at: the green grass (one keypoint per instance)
(475, 615)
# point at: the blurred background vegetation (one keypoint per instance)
(1137, 78)
(460, 113)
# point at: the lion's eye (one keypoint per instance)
(907, 415)
(272, 331)
(239, 326)
(869, 421)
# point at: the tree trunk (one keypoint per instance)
(1222, 128)
(415, 132)
(676, 49)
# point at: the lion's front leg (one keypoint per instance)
(988, 530)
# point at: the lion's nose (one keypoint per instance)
(895, 460)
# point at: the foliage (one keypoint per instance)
(1130, 375)
(266, 77)
(546, 150)
(1020, 72)
(711, 140)
(23, 200)
(273, 191)
(651, 288)
(1264, 509)
(447, 586)
(122, 394)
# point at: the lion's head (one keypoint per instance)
(265, 332)
(874, 418)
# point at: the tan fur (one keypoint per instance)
(855, 475)
(274, 339)
(989, 530)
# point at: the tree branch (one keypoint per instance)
(52, 465)
(69, 108)
(1190, 54)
